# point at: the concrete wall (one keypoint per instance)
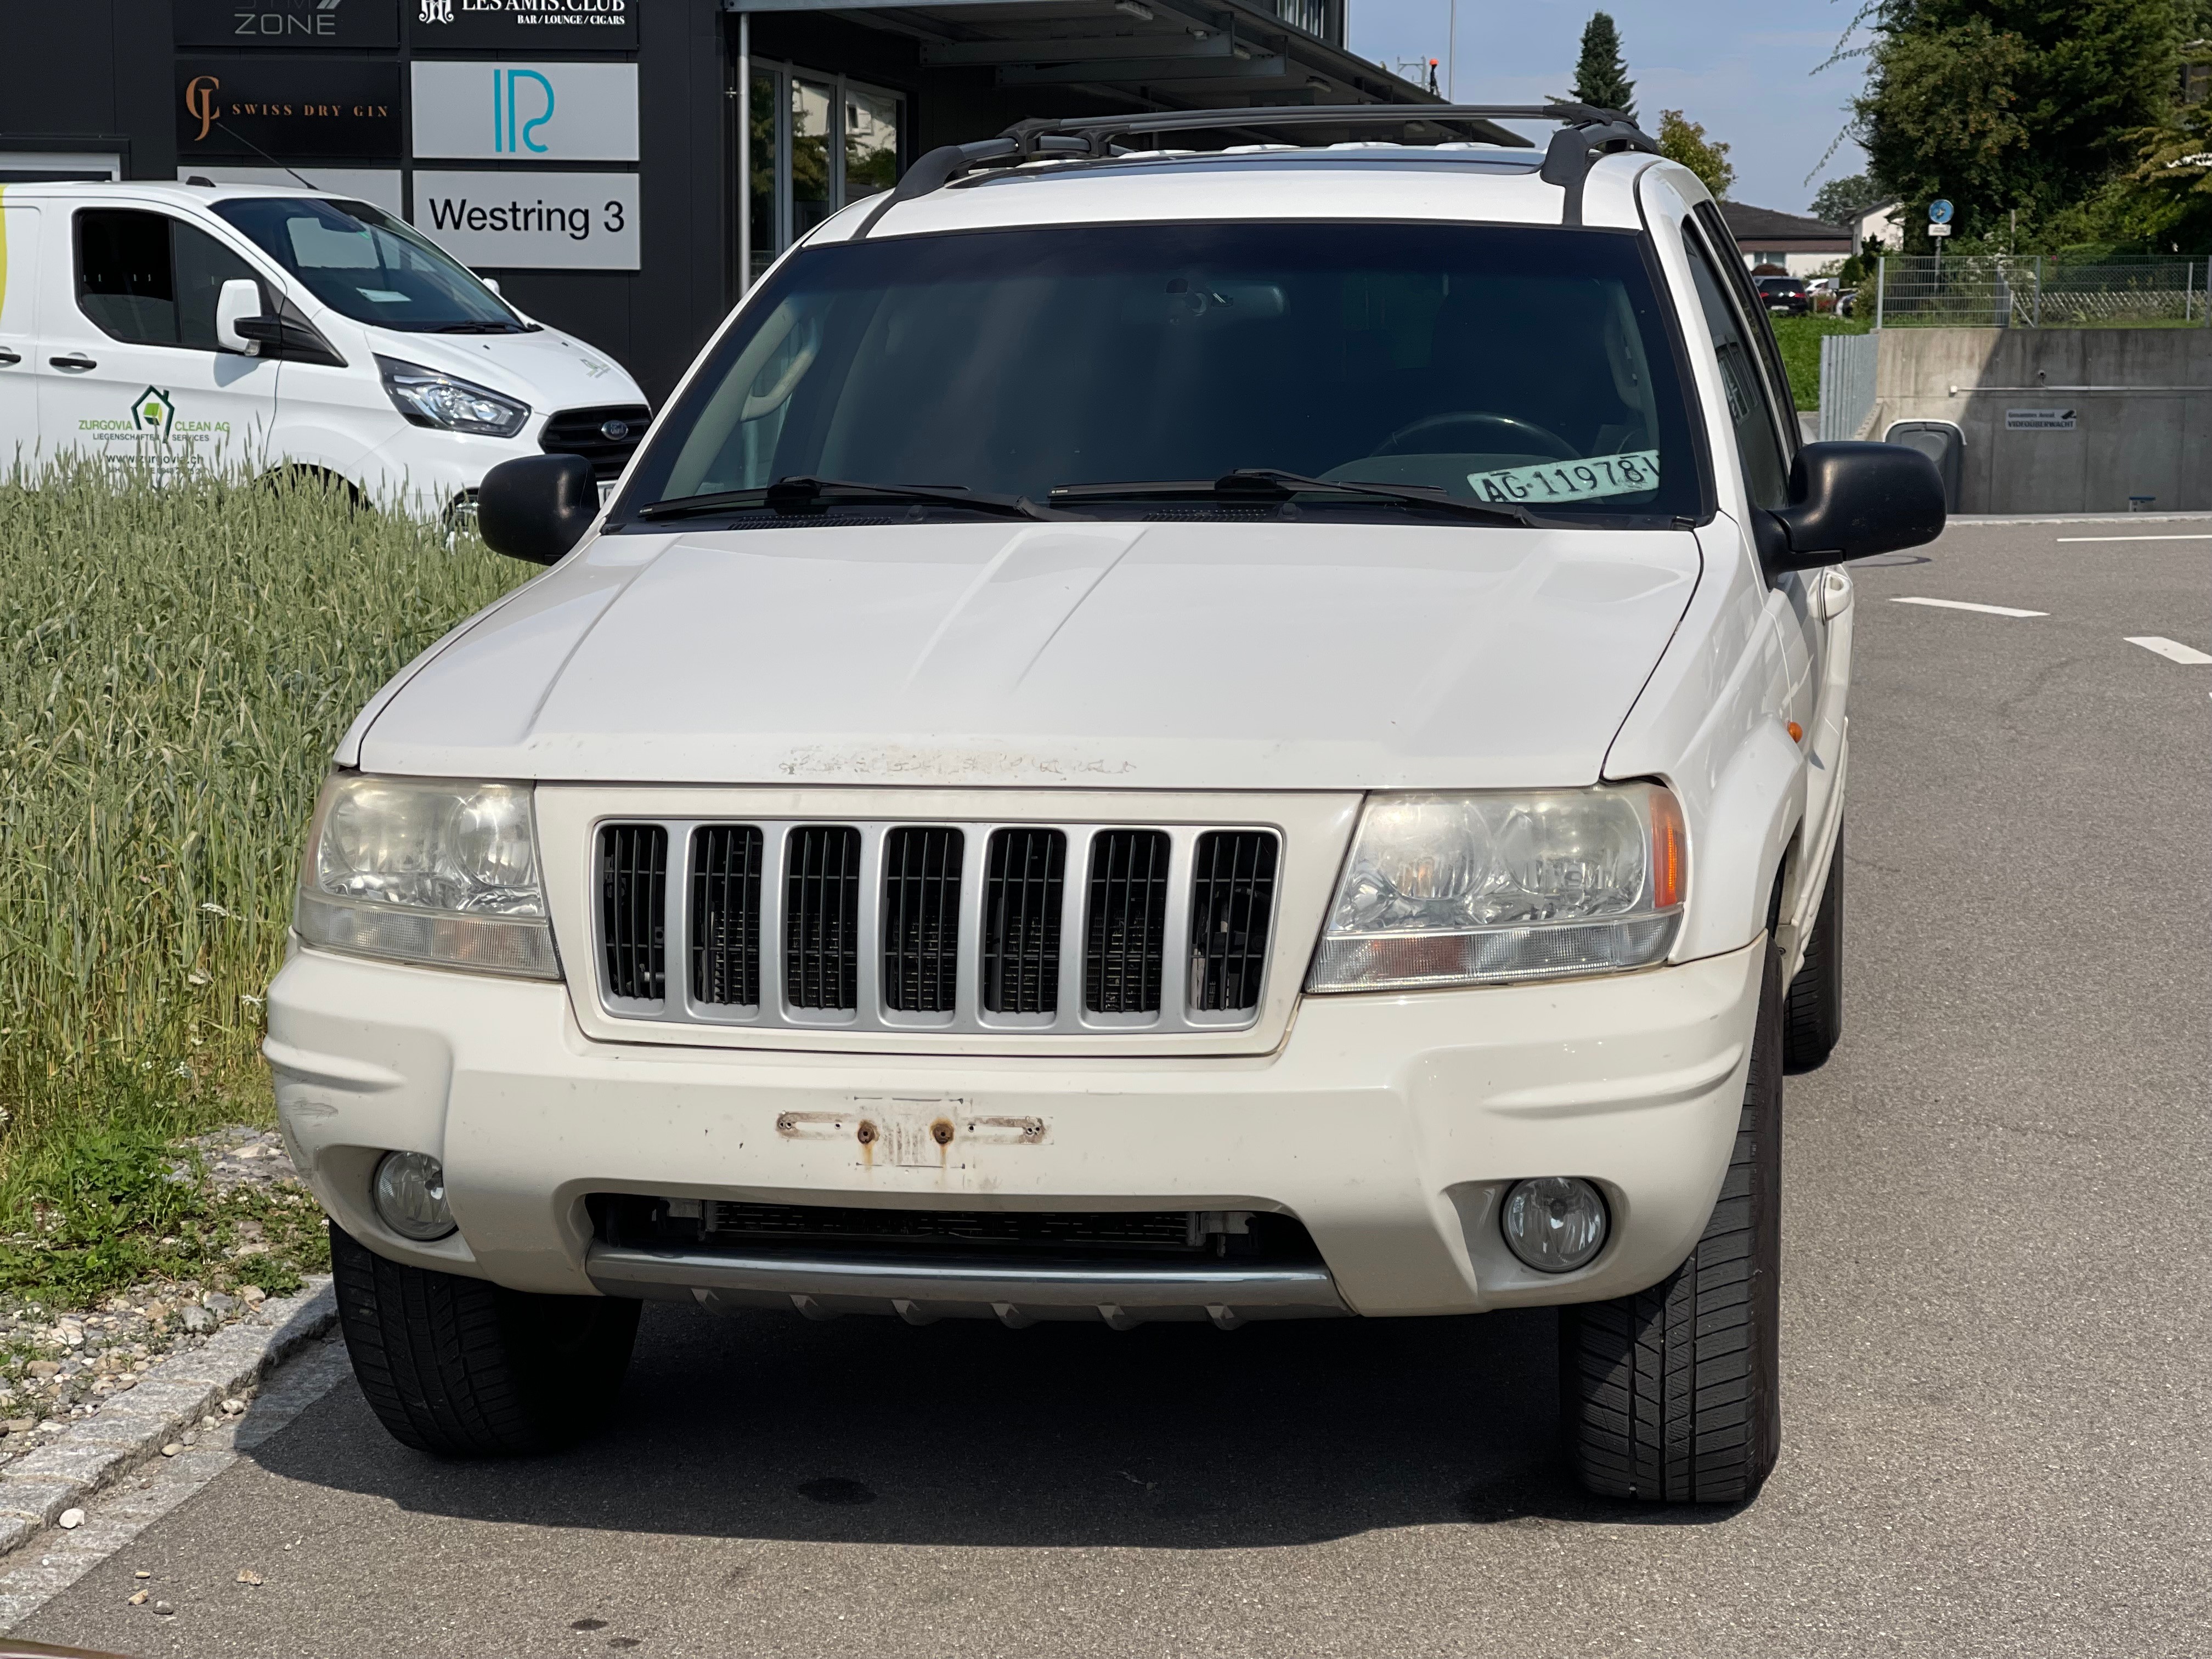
(2140, 437)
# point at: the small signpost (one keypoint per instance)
(1939, 226)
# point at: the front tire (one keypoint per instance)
(1673, 1395)
(1813, 1013)
(463, 1368)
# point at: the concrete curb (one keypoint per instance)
(169, 1398)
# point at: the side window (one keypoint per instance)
(1765, 469)
(124, 281)
(147, 279)
(1761, 329)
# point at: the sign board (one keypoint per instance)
(531, 221)
(1939, 230)
(247, 107)
(297, 24)
(1939, 212)
(2038, 420)
(523, 25)
(544, 112)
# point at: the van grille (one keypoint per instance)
(1128, 933)
(584, 432)
(725, 897)
(884, 927)
(632, 903)
(822, 918)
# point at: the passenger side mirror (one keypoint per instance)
(1850, 500)
(536, 507)
(237, 310)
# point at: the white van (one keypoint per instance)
(247, 327)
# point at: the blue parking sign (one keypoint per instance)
(1939, 212)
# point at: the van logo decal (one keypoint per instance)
(154, 413)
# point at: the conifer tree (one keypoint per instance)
(1601, 77)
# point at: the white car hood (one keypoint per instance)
(546, 369)
(1184, 656)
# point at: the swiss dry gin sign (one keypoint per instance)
(289, 109)
(523, 25)
(297, 24)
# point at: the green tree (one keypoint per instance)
(1683, 140)
(2015, 104)
(1601, 76)
(1840, 198)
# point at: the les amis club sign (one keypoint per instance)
(299, 108)
(534, 25)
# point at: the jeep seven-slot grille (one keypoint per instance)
(822, 917)
(1126, 934)
(726, 901)
(1021, 896)
(1232, 893)
(921, 919)
(633, 903)
(1040, 929)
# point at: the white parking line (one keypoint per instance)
(1961, 604)
(2172, 650)
(2207, 538)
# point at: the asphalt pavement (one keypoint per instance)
(1995, 1346)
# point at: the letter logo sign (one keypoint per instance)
(505, 107)
(200, 102)
(435, 11)
(543, 111)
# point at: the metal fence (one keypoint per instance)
(2039, 291)
(1847, 365)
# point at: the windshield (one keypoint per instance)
(364, 264)
(1527, 366)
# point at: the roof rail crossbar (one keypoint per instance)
(1588, 133)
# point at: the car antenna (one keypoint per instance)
(267, 157)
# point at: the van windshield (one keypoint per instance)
(364, 264)
(1532, 367)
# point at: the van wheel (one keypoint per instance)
(1813, 1013)
(462, 1368)
(1671, 1394)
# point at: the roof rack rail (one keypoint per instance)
(1587, 133)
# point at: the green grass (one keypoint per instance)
(1800, 339)
(176, 666)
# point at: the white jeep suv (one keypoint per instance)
(1153, 734)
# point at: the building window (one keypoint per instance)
(819, 142)
(1312, 15)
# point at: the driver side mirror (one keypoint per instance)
(1848, 500)
(239, 324)
(536, 507)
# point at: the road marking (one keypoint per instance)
(1961, 604)
(2207, 538)
(2172, 650)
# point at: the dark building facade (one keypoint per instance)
(617, 164)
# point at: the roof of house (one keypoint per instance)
(1763, 229)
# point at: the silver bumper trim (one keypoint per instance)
(919, 1292)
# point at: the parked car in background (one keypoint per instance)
(250, 327)
(1785, 296)
(1211, 737)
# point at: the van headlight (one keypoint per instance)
(1471, 889)
(439, 873)
(430, 397)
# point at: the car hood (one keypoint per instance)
(1186, 656)
(547, 369)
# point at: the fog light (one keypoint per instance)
(1555, 1223)
(410, 1196)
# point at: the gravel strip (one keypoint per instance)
(173, 1402)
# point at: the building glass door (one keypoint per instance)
(819, 142)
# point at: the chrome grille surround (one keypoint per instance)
(873, 1012)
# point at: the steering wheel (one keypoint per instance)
(1526, 435)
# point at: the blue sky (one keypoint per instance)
(1742, 68)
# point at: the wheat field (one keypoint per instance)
(176, 665)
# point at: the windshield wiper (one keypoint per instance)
(799, 495)
(1268, 484)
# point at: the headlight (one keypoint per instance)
(430, 397)
(1464, 890)
(440, 873)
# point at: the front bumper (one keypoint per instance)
(1390, 1125)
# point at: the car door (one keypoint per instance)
(19, 334)
(128, 364)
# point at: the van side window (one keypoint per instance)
(148, 279)
(1765, 471)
